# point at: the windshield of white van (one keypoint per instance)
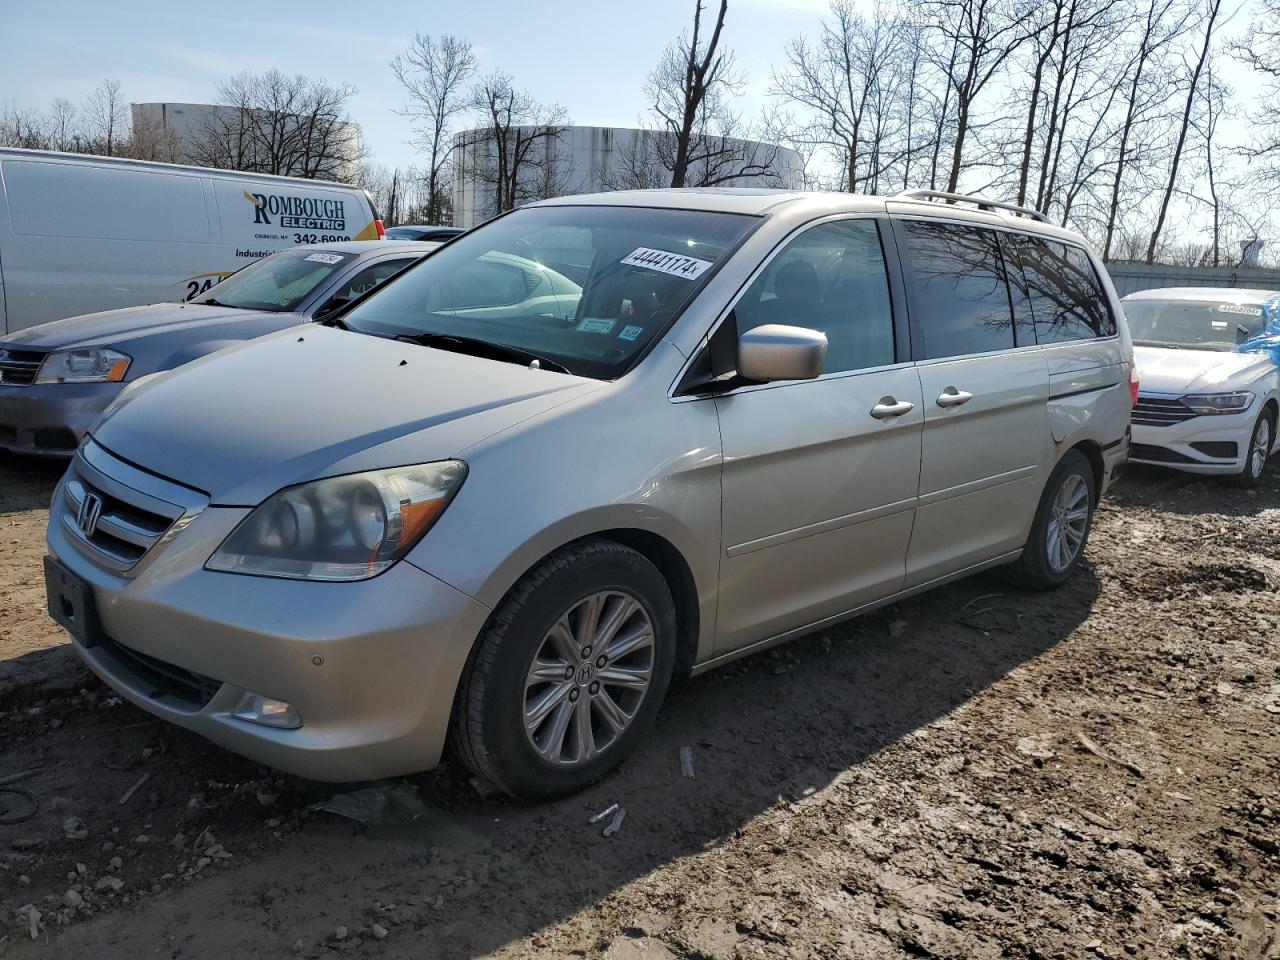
(278, 283)
(1193, 324)
(585, 287)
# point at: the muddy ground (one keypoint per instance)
(1088, 773)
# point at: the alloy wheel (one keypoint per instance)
(1260, 447)
(1068, 522)
(588, 678)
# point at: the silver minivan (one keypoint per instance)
(592, 444)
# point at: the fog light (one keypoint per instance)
(256, 708)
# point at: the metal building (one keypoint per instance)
(575, 159)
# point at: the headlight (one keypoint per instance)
(1210, 403)
(91, 365)
(342, 528)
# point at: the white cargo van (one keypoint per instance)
(80, 234)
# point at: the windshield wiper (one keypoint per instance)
(210, 302)
(476, 347)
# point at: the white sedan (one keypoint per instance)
(1208, 361)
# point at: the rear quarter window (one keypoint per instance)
(1067, 299)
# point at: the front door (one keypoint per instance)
(820, 476)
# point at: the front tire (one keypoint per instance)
(569, 672)
(1061, 527)
(1255, 458)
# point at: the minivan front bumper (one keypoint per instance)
(370, 666)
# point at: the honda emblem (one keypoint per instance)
(90, 509)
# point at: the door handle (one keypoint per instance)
(951, 397)
(888, 408)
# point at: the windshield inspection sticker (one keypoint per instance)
(330, 258)
(630, 332)
(1240, 309)
(677, 265)
(597, 325)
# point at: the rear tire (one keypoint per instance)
(1255, 459)
(1060, 529)
(568, 674)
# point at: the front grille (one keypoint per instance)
(1145, 451)
(1160, 411)
(117, 514)
(1222, 449)
(161, 679)
(122, 532)
(18, 368)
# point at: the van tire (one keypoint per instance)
(1032, 571)
(487, 730)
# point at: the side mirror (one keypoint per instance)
(779, 352)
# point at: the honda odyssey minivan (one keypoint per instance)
(598, 441)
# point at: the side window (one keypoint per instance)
(956, 288)
(368, 278)
(829, 278)
(1067, 299)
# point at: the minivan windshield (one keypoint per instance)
(1193, 324)
(278, 283)
(586, 287)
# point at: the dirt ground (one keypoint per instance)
(977, 773)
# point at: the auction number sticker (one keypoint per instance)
(329, 258)
(596, 325)
(1240, 309)
(675, 264)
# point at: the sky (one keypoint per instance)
(591, 56)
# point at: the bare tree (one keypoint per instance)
(636, 164)
(688, 89)
(1261, 51)
(23, 128)
(1161, 22)
(980, 36)
(514, 151)
(149, 139)
(395, 192)
(289, 125)
(1213, 8)
(106, 113)
(1213, 96)
(849, 85)
(434, 74)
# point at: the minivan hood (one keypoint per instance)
(1162, 370)
(112, 327)
(314, 401)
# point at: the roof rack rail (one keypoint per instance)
(982, 202)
